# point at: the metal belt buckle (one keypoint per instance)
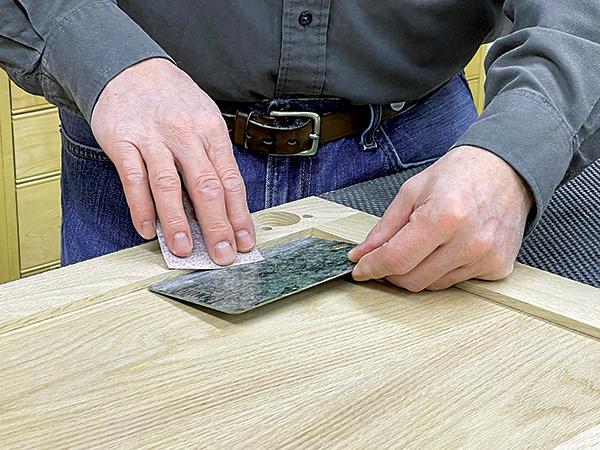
(314, 136)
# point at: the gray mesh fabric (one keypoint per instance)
(565, 242)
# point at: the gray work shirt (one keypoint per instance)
(542, 90)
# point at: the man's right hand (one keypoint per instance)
(153, 121)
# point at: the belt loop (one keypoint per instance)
(240, 127)
(367, 140)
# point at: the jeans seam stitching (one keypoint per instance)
(390, 151)
(83, 151)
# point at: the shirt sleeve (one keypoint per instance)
(68, 50)
(542, 94)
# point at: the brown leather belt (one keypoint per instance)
(266, 134)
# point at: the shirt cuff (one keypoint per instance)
(523, 129)
(91, 46)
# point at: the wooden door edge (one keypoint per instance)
(549, 297)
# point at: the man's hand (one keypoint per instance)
(461, 218)
(153, 121)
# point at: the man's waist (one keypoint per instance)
(280, 127)
(298, 126)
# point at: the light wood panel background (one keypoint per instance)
(39, 218)
(25, 102)
(93, 359)
(475, 73)
(9, 244)
(30, 154)
(37, 144)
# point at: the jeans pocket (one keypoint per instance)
(426, 131)
(80, 150)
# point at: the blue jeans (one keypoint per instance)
(96, 218)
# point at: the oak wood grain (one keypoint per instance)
(91, 358)
(541, 294)
(587, 440)
(563, 302)
(344, 365)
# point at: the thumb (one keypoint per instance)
(394, 219)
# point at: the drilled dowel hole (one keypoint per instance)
(277, 219)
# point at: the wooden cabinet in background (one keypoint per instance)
(30, 191)
(36, 145)
(476, 76)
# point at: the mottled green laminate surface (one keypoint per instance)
(287, 268)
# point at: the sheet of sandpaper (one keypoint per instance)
(198, 258)
(286, 269)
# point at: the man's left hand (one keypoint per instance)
(463, 217)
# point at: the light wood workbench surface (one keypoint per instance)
(91, 359)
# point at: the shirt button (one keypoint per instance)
(305, 18)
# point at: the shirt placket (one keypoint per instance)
(302, 62)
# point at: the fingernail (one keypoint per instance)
(224, 253)
(357, 274)
(244, 241)
(351, 254)
(182, 244)
(148, 230)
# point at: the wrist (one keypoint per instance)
(495, 166)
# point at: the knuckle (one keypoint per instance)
(413, 284)
(174, 222)
(166, 180)
(437, 287)
(480, 245)
(453, 216)
(180, 123)
(377, 231)
(501, 270)
(233, 183)
(207, 184)
(496, 261)
(410, 185)
(214, 127)
(133, 177)
(217, 228)
(397, 262)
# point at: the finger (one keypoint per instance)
(394, 218)
(207, 193)
(434, 267)
(134, 177)
(220, 154)
(402, 253)
(455, 276)
(166, 190)
(476, 270)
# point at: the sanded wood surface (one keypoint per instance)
(92, 359)
(542, 294)
(344, 365)
(587, 440)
